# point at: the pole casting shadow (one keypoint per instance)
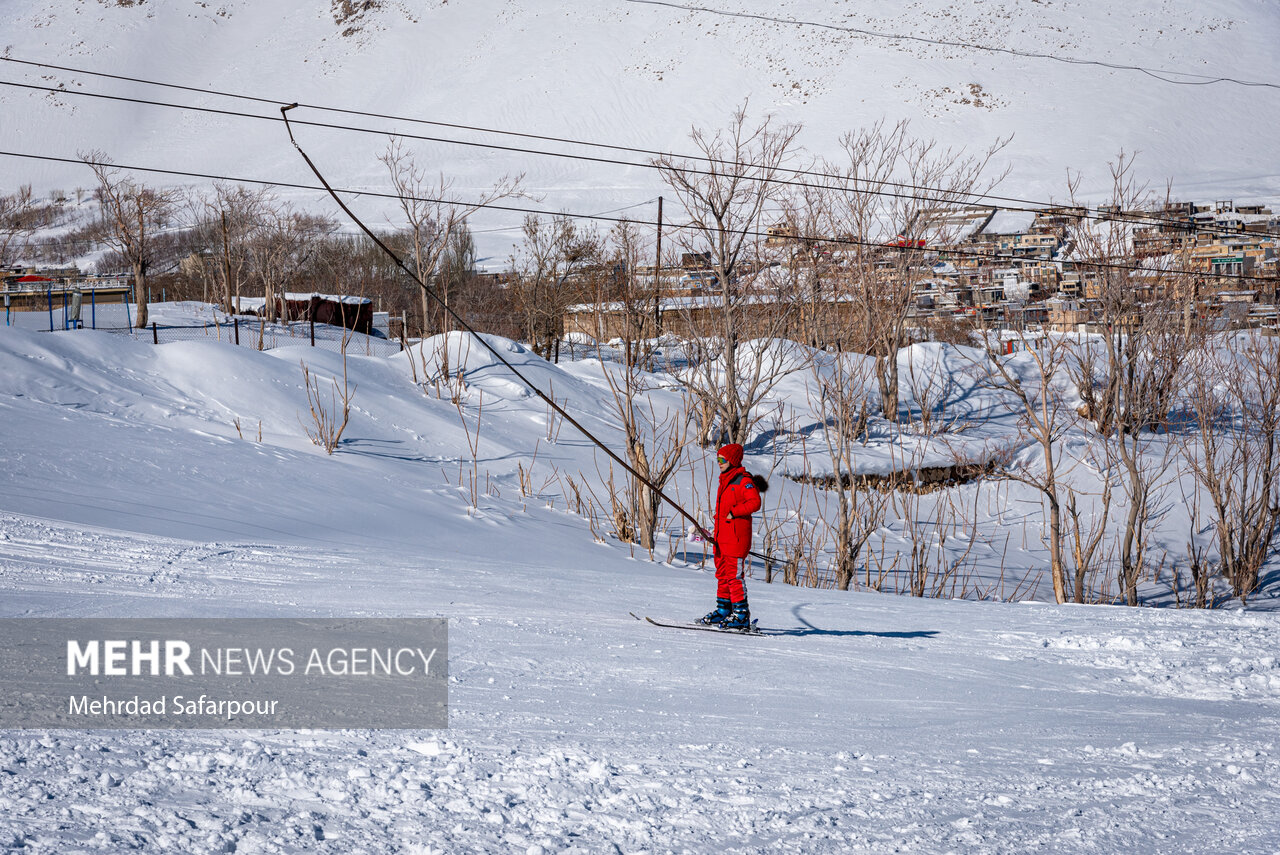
(809, 629)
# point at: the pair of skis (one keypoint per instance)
(754, 629)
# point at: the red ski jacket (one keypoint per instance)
(738, 497)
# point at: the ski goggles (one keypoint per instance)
(720, 458)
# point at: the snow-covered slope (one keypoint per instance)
(876, 725)
(871, 723)
(641, 74)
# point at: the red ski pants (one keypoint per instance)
(729, 584)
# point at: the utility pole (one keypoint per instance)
(657, 280)
(226, 269)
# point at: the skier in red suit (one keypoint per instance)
(737, 499)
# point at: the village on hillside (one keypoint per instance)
(1000, 269)
(962, 267)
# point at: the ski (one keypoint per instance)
(754, 629)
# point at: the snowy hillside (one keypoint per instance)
(641, 74)
(868, 723)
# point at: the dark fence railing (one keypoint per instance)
(250, 333)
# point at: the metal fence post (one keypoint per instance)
(236, 322)
(155, 335)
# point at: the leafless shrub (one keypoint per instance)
(1087, 537)
(1199, 591)
(940, 536)
(933, 387)
(852, 515)
(473, 447)
(554, 420)
(574, 495)
(624, 527)
(525, 476)
(328, 419)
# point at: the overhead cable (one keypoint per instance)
(851, 184)
(1161, 74)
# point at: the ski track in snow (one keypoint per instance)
(882, 725)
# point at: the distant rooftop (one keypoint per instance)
(1010, 223)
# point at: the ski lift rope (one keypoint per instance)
(551, 402)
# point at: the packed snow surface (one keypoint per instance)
(870, 723)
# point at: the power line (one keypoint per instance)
(951, 197)
(817, 239)
(597, 214)
(1136, 219)
(1157, 73)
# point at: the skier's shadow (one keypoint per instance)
(693, 559)
(809, 629)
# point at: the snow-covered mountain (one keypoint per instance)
(641, 74)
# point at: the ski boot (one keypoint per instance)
(722, 612)
(739, 619)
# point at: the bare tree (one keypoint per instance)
(728, 201)
(236, 213)
(841, 383)
(1086, 534)
(353, 264)
(1038, 381)
(812, 273)
(132, 214)
(656, 438)
(281, 240)
(1235, 452)
(550, 256)
(624, 300)
(897, 192)
(1129, 387)
(216, 243)
(434, 213)
(20, 217)
(457, 268)
(656, 435)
